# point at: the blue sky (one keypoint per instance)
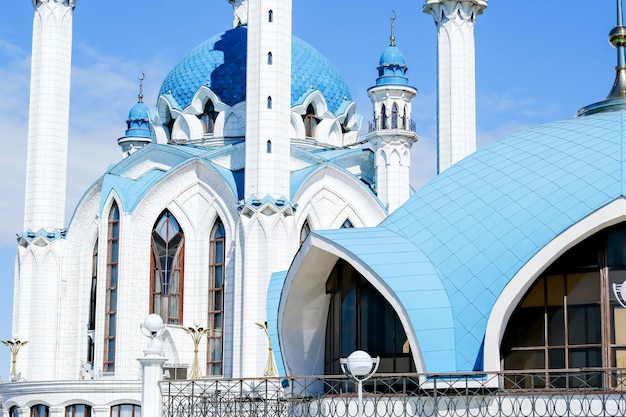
(536, 61)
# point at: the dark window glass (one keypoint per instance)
(78, 410)
(310, 122)
(304, 231)
(215, 322)
(39, 410)
(208, 117)
(111, 289)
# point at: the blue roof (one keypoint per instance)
(220, 63)
(484, 218)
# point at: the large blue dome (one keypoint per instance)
(220, 63)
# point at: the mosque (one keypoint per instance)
(254, 195)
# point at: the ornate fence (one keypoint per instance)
(589, 392)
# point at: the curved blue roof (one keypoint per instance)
(392, 68)
(484, 218)
(220, 63)
(392, 56)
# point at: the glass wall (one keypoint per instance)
(569, 318)
(359, 317)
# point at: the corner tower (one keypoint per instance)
(268, 97)
(46, 163)
(392, 133)
(456, 96)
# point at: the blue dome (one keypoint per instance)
(139, 112)
(220, 63)
(484, 218)
(392, 56)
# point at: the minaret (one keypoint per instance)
(268, 98)
(456, 96)
(48, 127)
(392, 133)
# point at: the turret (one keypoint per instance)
(392, 132)
(138, 132)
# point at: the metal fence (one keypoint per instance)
(572, 393)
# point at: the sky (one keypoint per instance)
(536, 61)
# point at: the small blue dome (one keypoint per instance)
(392, 56)
(220, 63)
(139, 112)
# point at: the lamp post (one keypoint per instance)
(196, 332)
(270, 365)
(360, 366)
(14, 344)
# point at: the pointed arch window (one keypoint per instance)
(269, 102)
(168, 251)
(347, 224)
(208, 118)
(404, 120)
(359, 317)
(305, 231)
(113, 249)
(310, 122)
(270, 16)
(215, 319)
(270, 58)
(383, 117)
(91, 323)
(269, 146)
(394, 116)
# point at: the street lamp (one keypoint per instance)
(359, 366)
(15, 344)
(196, 332)
(270, 365)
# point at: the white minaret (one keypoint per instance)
(268, 98)
(48, 126)
(393, 132)
(456, 103)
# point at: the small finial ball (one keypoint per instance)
(617, 37)
(196, 323)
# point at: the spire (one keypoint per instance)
(616, 100)
(143, 77)
(392, 38)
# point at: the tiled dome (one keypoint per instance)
(220, 63)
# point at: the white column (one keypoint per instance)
(456, 103)
(48, 126)
(268, 126)
(151, 374)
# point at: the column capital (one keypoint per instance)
(451, 10)
(69, 3)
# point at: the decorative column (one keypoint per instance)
(456, 96)
(152, 367)
(48, 127)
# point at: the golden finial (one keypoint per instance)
(143, 77)
(392, 38)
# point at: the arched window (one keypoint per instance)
(91, 323)
(39, 410)
(404, 119)
(168, 250)
(215, 319)
(310, 122)
(269, 102)
(270, 16)
(383, 117)
(394, 116)
(170, 125)
(304, 231)
(78, 410)
(269, 146)
(347, 224)
(208, 117)
(113, 246)
(126, 410)
(359, 317)
(570, 318)
(14, 411)
(270, 58)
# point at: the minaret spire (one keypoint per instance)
(392, 38)
(616, 100)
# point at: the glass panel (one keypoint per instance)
(555, 290)
(616, 248)
(583, 288)
(527, 327)
(619, 325)
(584, 325)
(556, 326)
(536, 295)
